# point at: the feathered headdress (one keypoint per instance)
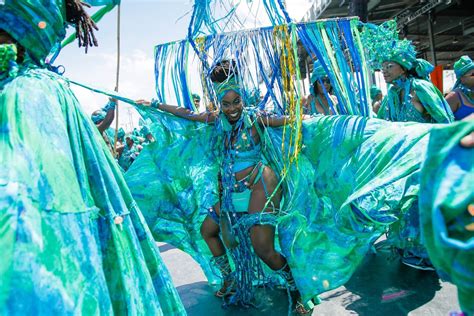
(381, 44)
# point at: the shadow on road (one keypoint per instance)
(387, 287)
(381, 286)
(199, 299)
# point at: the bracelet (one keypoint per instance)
(109, 106)
(155, 104)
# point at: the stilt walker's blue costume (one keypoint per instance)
(73, 239)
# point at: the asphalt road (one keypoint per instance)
(381, 286)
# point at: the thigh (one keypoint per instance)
(262, 237)
(209, 227)
(261, 192)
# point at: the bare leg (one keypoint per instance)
(263, 236)
(210, 232)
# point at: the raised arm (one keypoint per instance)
(204, 117)
(109, 109)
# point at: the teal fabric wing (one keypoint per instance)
(174, 180)
(354, 178)
(447, 208)
(433, 101)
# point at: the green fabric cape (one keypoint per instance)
(354, 178)
(60, 193)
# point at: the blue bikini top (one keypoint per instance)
(244, 152)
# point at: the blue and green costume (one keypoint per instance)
(461, 67)
(73, 239)
(354, 179)
(382, 45)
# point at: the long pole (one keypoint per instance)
(117, 79)
(431, 36)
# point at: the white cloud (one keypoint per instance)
(298, 8)
(136, 82)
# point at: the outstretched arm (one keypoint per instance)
(272, 120)
(204, 117)
(109, 116)
(276, 121)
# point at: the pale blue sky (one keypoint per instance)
(144, 24)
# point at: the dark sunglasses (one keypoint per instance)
(325, 80)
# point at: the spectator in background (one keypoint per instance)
(129, 152)
(376, 96)
(461, 98)
(103, 118)
(147, 135)
(196, 100)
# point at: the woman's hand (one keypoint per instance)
(143, 102)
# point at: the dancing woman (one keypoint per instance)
(248, 186)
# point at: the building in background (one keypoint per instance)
(441, 30)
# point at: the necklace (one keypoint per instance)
(402, 84)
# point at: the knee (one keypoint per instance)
(203, 231)
(208, 232)
(265, 252)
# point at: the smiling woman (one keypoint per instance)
(232, 106)
(248, 191)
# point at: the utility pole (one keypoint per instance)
(431, 36)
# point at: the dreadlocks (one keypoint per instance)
(85, 26)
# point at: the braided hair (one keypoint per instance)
(85, 26)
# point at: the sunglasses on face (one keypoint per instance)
(325, 80)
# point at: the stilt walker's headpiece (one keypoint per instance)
(35, 24)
